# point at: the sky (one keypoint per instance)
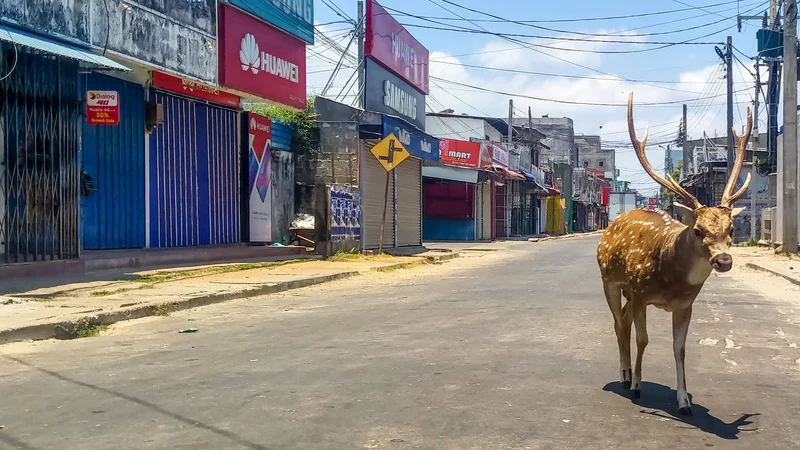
(576, 46)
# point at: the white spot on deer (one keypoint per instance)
(780, 332)
(708, 342)
(730, 344)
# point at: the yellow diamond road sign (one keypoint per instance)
(390, 152)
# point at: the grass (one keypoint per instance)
(163, 310)
(175, 275)
(107, 293)
(89, 330)
(353, 255)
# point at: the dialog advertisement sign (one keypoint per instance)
(102, 107)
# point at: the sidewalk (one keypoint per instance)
(64, 307)
(765, 260)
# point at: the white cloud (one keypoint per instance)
(705, 114)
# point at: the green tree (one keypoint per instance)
(301, 121)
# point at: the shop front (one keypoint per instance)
(264, 62)
(403, 227)
(40, 128)
(450, 191)
(194, 170)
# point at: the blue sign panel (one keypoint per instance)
(417, 142)
(295, 17)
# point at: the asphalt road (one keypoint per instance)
(506, 350)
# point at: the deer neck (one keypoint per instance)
(687, 259)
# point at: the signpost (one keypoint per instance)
(102, 107)
(390, 153)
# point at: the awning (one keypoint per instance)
(532, 178)
(451, 173)
(57, 48)
(550, 192)
(509, 174)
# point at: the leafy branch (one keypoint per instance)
(301, 121)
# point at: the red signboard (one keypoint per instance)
(457, 153)
(393, 46)
(261, 60)
(606, 195)
(102, 107)
(652, 203)
(194, 89)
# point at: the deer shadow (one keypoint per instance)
(661, 401)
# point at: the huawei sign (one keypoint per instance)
(256, 61)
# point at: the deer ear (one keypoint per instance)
(736, 211)
(681, 205)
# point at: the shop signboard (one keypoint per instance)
(417, 142)
(260, 196)
(395, 48)
(454, 152)
(386, 93)
(261, 60)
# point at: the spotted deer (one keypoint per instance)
(651, 259)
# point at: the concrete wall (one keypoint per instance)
(176, 35)
(336, 159)
(462, 128)
(64, 18)
(560, 133)
(282, 187)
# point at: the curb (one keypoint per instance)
(67, 329)
(754, 266)
(566, 236)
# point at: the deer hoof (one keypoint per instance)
(626, 385)
(636, 393)
(686, 411)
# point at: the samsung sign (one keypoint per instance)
(389, 94)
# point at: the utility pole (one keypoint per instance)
(510, 122)
(789, 161)
(729, 64)
(360, 22)
(754, 137)
(687, 154)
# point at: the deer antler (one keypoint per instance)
(728, 196)
(638, 147)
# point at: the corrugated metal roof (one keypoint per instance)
(47, 45)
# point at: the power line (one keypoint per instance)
(555, 30)
(568, 102)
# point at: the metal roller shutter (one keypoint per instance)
(373, 185)
(409, 203)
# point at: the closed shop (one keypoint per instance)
(194, 174)
(408, 182)
(373, 181)
(449, 199)
(113, 161)
(483, 211)
(40, 122)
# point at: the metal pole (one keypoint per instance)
(789, 160)
(729, 64)
(687, 154)
(361, 65)
(385, 207)
(510, 121)
(753, 216)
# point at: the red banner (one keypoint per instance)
(261, 60)
(194, 89)
(102, 107)
(457, 153)
(393, 46)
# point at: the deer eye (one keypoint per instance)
(699, 232)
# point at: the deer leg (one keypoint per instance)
(640, 321)
(680, 328)
(614, 298)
